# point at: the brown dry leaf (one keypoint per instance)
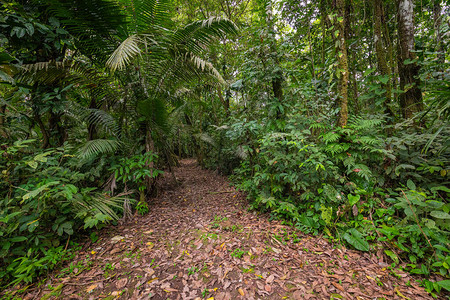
(149, 271)
(122, 283)
(270, 279)
(268, 288)
(223, 296)
(298, 295)
(91, 288)
(226, 284)
(338, 286)
(241, 291)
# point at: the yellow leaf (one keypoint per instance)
(93, 252)
(241, 291)
(210, 298)
(151, 280)
(193, 210)
(221, 246)
(400, 294)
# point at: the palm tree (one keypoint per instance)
(150, 58)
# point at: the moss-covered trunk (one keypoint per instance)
(411, 99)
(381, 53)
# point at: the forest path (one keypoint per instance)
(199, 242)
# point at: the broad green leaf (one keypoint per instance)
(17, 239)
(392, 255)
(37, 191)
(442, 248)
(411, 184)
(32, 164)
(353, 199)
(445, 284)
(356, 239)
(440, 215)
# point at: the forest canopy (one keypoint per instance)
(331, 115)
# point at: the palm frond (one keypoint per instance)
(128, 49)
(207, 67)
(100, 203)
(96, 24)
(94, 148)
(104, 120)
(145, 13)
(197, 35)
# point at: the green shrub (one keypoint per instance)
(44, 200)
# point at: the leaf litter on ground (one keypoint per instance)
(200, 242)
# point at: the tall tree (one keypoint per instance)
(411, 99)
(343, 70)
(380, 48)
(277, 75)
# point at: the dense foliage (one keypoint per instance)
(332, 115)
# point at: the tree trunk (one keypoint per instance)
(3, 132)
(45, 135)
(437, 15)
(225, 102)
(381, 53)
(149, 147)
(92, 127)
(411, 98)
(343, 72)
(277, 75)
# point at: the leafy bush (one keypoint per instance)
(357, 186)
(137, 172)
(44, 200)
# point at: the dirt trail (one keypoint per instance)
(198, 242)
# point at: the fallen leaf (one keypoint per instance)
(223, 296)
(241, 291)
(338, 286)
(122, 283)
(270, 279)
(91, 288)
(115, 250)
(149, 271)
(298, 295)
(151, 280)
(117, 238)
(268, 288)
(399, 293)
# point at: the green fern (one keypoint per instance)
(359, 123)
(330, 137)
